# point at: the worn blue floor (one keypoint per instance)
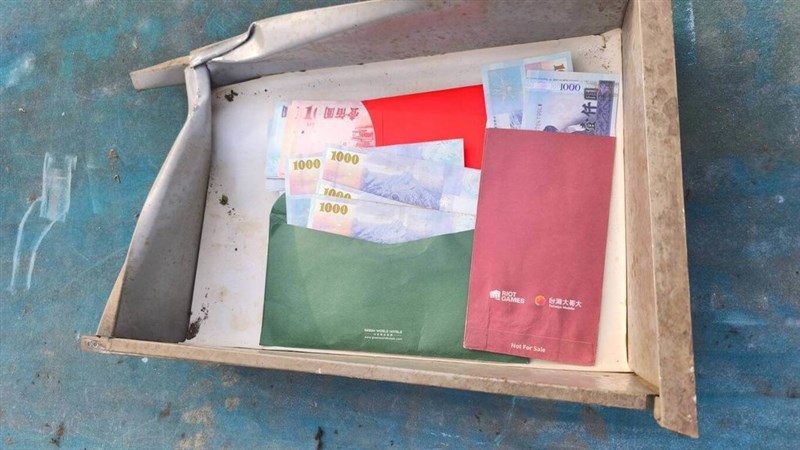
(64, 89)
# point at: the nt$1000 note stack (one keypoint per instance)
(388, 194)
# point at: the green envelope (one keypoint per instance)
(331, 292)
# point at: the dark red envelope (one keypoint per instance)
(432, 116)
(540, 242)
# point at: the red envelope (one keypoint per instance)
(432, 116)
(540, 242)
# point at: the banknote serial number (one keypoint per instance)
(304, 164)
(333, 208)
(348, 158)
(330, 192)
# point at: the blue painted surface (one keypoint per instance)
(64, 89)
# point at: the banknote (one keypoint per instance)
(449, 151)
(275, 134)
(412, 181)
(570, 102)
(302, 172)
(502, 86)
(557, 62)
(383, 223)
(330, 189)
(275, 184)
(312, 126)
(298, 206)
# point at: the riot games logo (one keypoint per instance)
(539, 300)
(505, 296)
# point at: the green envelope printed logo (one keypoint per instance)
(383, 334)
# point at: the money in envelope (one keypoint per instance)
(326, 291)
(411, 181)
(303, 174)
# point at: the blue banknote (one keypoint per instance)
(503, 84)
(275, 134)
(412, 181)
(381, 222)
(303, 173)
(449, 151)
(571, 102)
(330, 189)
(298, 206)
